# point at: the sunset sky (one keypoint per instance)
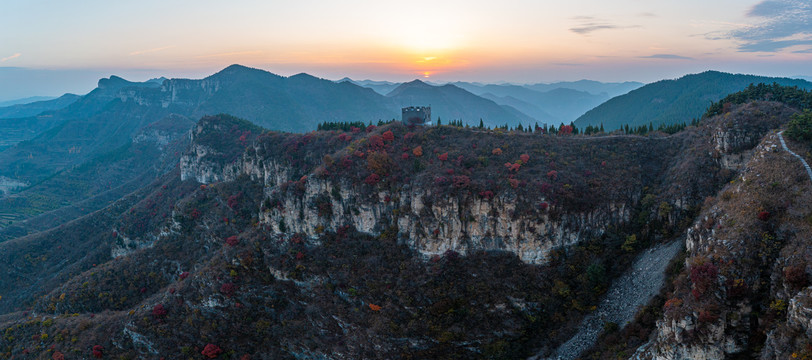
(511, 40)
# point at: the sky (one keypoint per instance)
(71, 44)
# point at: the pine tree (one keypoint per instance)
(481, 124)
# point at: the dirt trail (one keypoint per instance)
(633, 289)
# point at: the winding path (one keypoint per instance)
(784, 145)
(631, 290)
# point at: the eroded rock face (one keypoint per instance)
(428, 222)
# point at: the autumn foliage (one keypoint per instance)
(211, 351)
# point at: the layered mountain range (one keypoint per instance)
(148, 229)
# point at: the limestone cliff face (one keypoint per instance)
(430, 223)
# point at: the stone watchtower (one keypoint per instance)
(417, 115)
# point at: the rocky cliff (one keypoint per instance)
(535, 207)
(743, 289)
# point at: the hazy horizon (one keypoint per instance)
(73, 45)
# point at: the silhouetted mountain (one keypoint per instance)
(449, 102)
(26, 100)
(37, 107)
(674, 101)
(553, 106)
(525, 107)
(380, 87)
(590, 86)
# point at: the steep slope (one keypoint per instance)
(674, 101)
(744, 291)
(358, 271)
(449, 102)
(387, 242)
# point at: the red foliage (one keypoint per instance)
(603, 163)
(234, 200)
(159, 312)
(524, 158)
(299, 255)
(443, 156)
(371, 127)
(359, 154)
(58, 356)
(418, 151)
(355, 130)
(184, 275)
(513, 167)
(211, 351)
(405, 156)
(98, 351)
(552, 174)
(374, 307)
(513, 183)
(707, 316)
(344, 137)
(228, 289)
(764, 215)
(232, 240)
(372, 179)
(565, 130)
(376, 143)
(703, 276)
(245, 357)
(544, 206)
(388, 136)
(487, 194)
(461, 181)
(497, 151)
(195, 213)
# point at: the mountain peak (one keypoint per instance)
(113, 81)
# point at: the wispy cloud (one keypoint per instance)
(647, 14)
(7, 58)
(780, 24)
(667, 57)
(139, 52)
(589, 24)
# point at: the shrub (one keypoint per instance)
(703, 276)
(58, 356)
(552, 174)
(211, 351)
(374, 307)
(159, 312)
(497, 151)
(460, 181)
(524, 158)
(232, 240)
(388, 136)
(228, 289)
(372, 179)
(764, 215)
(443, 156)
(98, 351)
(418, 151)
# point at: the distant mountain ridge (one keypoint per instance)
(674, 101)
(37, 107)
(449, 102)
